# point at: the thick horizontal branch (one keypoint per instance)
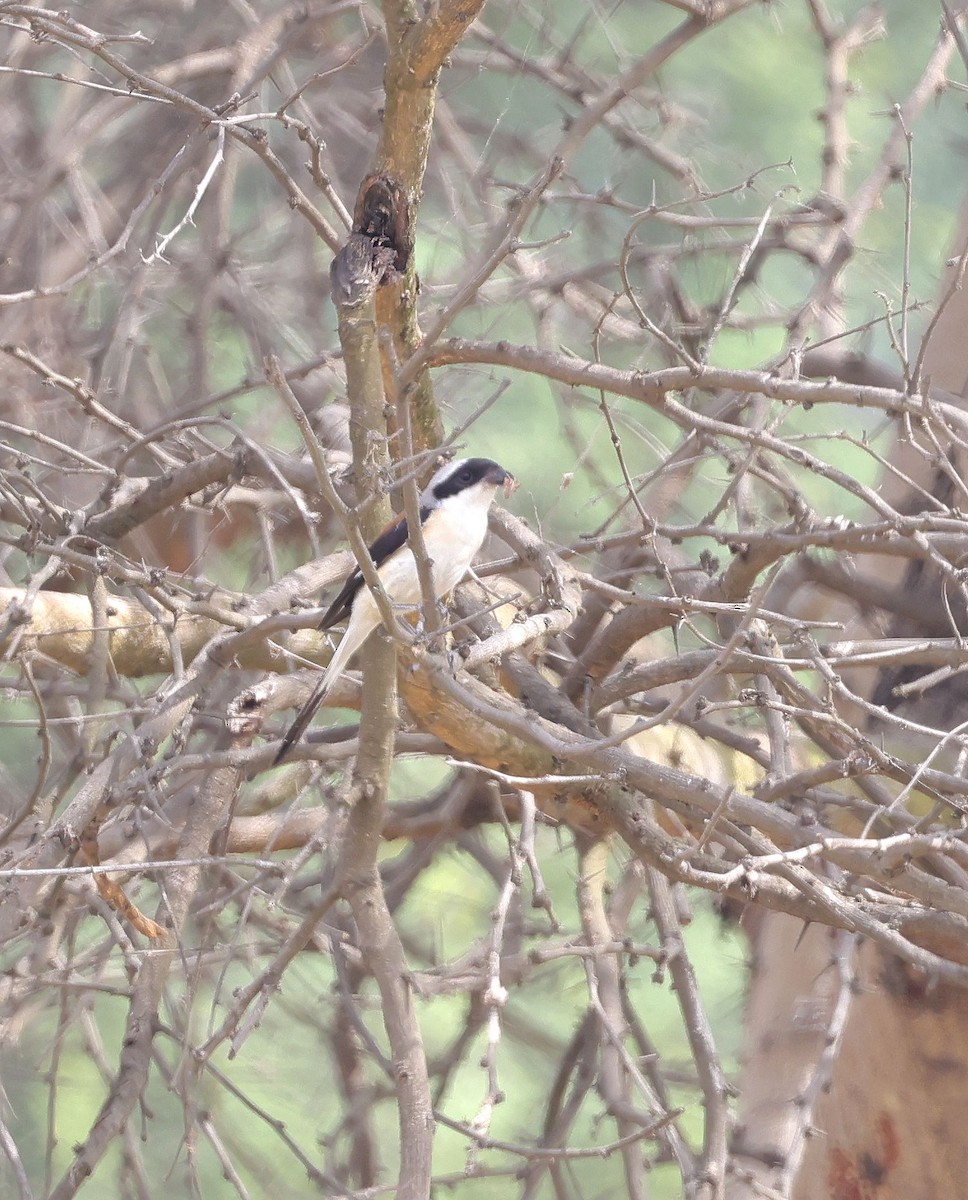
(656, 387)
(145, 498)
(61, 625)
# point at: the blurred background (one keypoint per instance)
(150, 261)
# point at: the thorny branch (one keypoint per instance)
(647, 684)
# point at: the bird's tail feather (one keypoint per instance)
(302, 721)
(344, 652)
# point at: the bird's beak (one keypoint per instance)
(501, 478)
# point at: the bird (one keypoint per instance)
(453, 518)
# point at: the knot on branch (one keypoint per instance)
(379, 246)
(358, 270)
(382, 214)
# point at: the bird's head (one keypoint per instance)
(481, 475)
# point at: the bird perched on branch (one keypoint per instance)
(453, 519)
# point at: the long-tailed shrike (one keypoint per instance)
(453, 518)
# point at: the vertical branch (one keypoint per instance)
(356, 273)
(805, 1109)
(12, 1154)
(379, 940)
(712, 1079)
(355, 281)
(417, 50)
(127, 1090)
(619, 1072)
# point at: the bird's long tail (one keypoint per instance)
(301, 723)
(344, 651)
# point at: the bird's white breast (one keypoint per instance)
(453, 534)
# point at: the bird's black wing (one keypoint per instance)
(388, 542)
(339, 610)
